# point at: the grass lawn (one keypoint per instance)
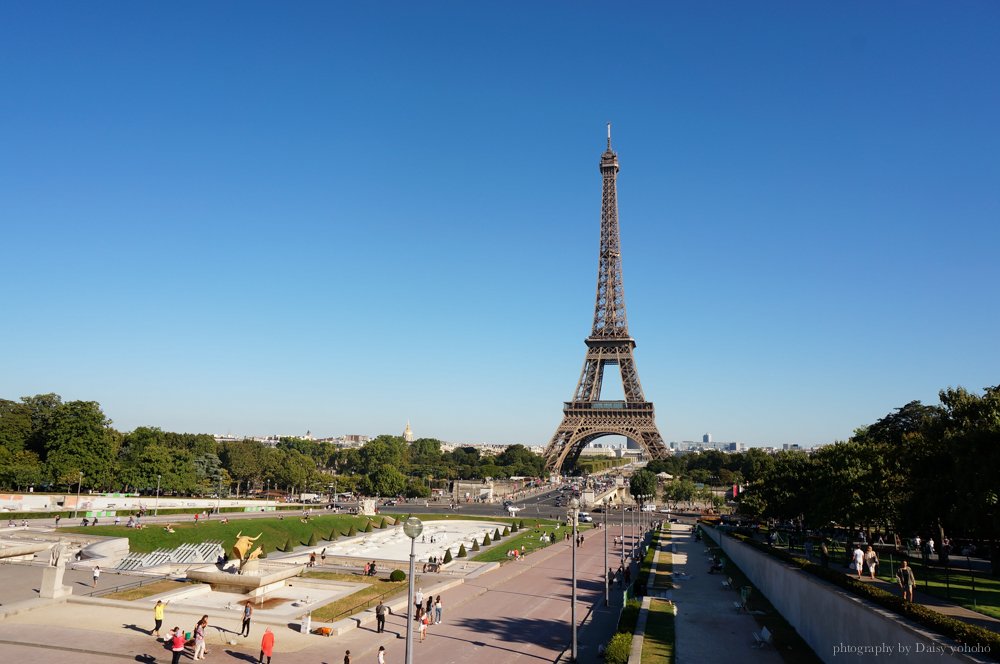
(954, 587)
(359, 601)
(275, 531)
(529, 538)
(147, 590)
(658, 641)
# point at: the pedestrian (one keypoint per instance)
(266, 646)
(430, 604)
(906, 581)
(312, 559)
(158, 616)
(824, 554)
(347, 657)
(58, 517)
(858, 559)
(196, 515)
(97, 574)
(199, 639)
(871, 561)
(380, 610)
(322, 556)
(423, 626)
(176, 645)
(247, 612)
(418, 599)
(381, 655)
(437, 610)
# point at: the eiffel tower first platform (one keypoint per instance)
(587, 417)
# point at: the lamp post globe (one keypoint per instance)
(412, 528)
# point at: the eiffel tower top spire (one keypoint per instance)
(610, 321)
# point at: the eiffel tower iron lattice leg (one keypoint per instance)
(587, 416)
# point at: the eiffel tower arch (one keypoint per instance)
(587, 416)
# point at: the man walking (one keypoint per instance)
(380, 616)
(97, 574)
(418, 600)
(247, 612)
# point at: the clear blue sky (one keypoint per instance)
(272, 217)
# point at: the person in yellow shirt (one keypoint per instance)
(158, 616)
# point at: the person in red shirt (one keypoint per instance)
(266, 646)
(176, 645)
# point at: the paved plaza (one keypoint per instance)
(517, 613)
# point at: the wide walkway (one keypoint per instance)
(708, 628)
(518, 613)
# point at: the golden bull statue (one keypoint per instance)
(241, 550)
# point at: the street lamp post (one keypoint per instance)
(623, 533)
(156, 508)
(267, 489)
(607, 577)
(412, 527)
(79, 483)
(574, 512)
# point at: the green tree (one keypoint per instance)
(642, 483)
(15, 425)
(79, 439)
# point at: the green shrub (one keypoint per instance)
(352, 532)
(486, 539)
(312, 539)
(334, 534)
(447, 557)
(520, 524)
(497, 535)
(397, 575)
(368, 527)
(461, 551)
(384, 523)
(630, 616)
(513, 527)
(506, 532)
(475, 544)
(618, 648)
(288, 547)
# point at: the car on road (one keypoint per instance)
(389, 503)
(586, 518)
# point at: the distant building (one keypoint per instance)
(707, 438)
(408, 433)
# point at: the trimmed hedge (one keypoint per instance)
(955, 629)
(368, 527)
(486, 539)
(397, 575)
(447, 557)
(461, 551)
(475, 544)
(312, 539)
(497, 535)
(618, 648)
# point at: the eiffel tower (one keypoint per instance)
(587, 417)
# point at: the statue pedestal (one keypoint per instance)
(367, 507)
(52, 585)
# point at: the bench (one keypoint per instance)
(728, 583)
(762, 638)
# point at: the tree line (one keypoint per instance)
(921, 469)
(50, 444)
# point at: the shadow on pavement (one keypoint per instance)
(136, 628)
(241, 656)
(549, 634)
